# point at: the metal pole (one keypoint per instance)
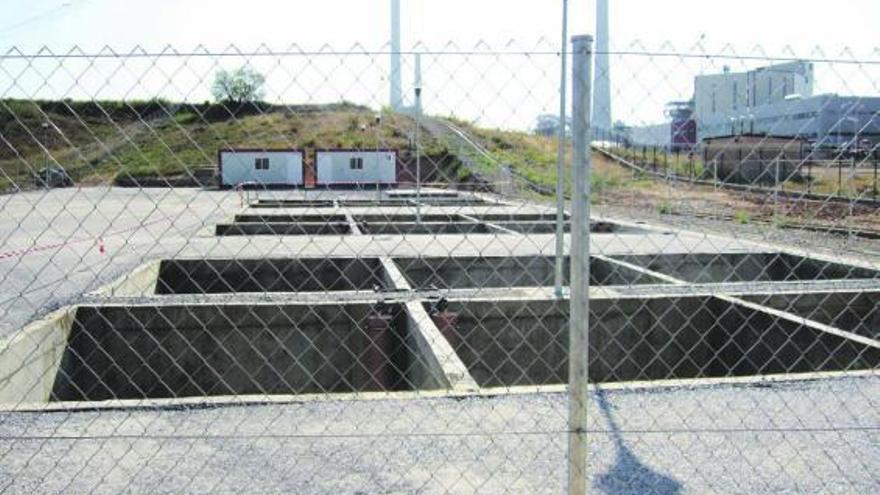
(876, 159)
(560, 160)
(418, 158)
(776, 190)
(578, 343)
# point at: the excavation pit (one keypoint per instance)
(548, 227)
(293, 203)
(525, 271)
(423, 194)
(408, 218)
(856, 312)
(162, 352)
(216, 276)
(509, 343)
(517, 217)
(275, 218)
(747, 267)
(428, 228)
(287, 228)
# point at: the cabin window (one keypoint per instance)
(261, 164)
(356, 163)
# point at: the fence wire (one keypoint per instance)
(244, 271)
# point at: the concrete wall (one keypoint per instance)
(856, 312)
(508, 343)
(178, 351)
(746, 267)
(238, 167)
(30, 359)
(200, 276)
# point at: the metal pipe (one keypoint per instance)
(578, 351)
(560, 159)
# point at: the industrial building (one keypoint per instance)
(260, 167)
(356, 167)
(775, 100)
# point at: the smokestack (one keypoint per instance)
(395, 99)
(602, 79)
(418, 81)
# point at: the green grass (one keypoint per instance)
(98, 142)
(742, 217)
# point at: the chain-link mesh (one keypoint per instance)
(243, 271)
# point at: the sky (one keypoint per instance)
(461, 85)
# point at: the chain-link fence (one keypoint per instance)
(246, 271)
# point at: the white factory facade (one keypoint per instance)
(775, 100)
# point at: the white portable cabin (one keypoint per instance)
(356, 167)
(260, 167)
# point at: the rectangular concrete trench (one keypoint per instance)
(175, 351)
(747, 267)
(857, 312)
(214, 276)
(508, 271)
(525, 342)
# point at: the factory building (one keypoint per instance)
(775, 100)
(730, 93)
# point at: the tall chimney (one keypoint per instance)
(602, 78)
(396, 98)
(418, 82)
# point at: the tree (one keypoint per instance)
(239, 86)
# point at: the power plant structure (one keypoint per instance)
(602, 75)
(396, 94)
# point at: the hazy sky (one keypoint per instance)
(525, 86)
(774, 24)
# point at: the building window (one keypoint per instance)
(714, 106)
(261, 164)
(356, 163)
(735, 95)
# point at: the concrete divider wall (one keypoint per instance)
(30, 359)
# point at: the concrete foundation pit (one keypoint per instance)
(408, 217)
(856, 312)
(150, 352)
(288, 228)
(279, 218)
(549, 227)
(213, 276)
(508, 343)
(431, 228)
(525, 271)
(747, 267)
(294, 203)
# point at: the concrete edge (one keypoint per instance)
(31, 358)
(477, 393)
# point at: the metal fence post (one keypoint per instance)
(578, 351)
(560, 158)
(418, 157)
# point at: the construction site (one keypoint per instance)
(427, 294)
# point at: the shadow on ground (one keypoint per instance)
(628, 475)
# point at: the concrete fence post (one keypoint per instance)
(578, 351)
(560, 159)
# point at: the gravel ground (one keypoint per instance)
(798, 437)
